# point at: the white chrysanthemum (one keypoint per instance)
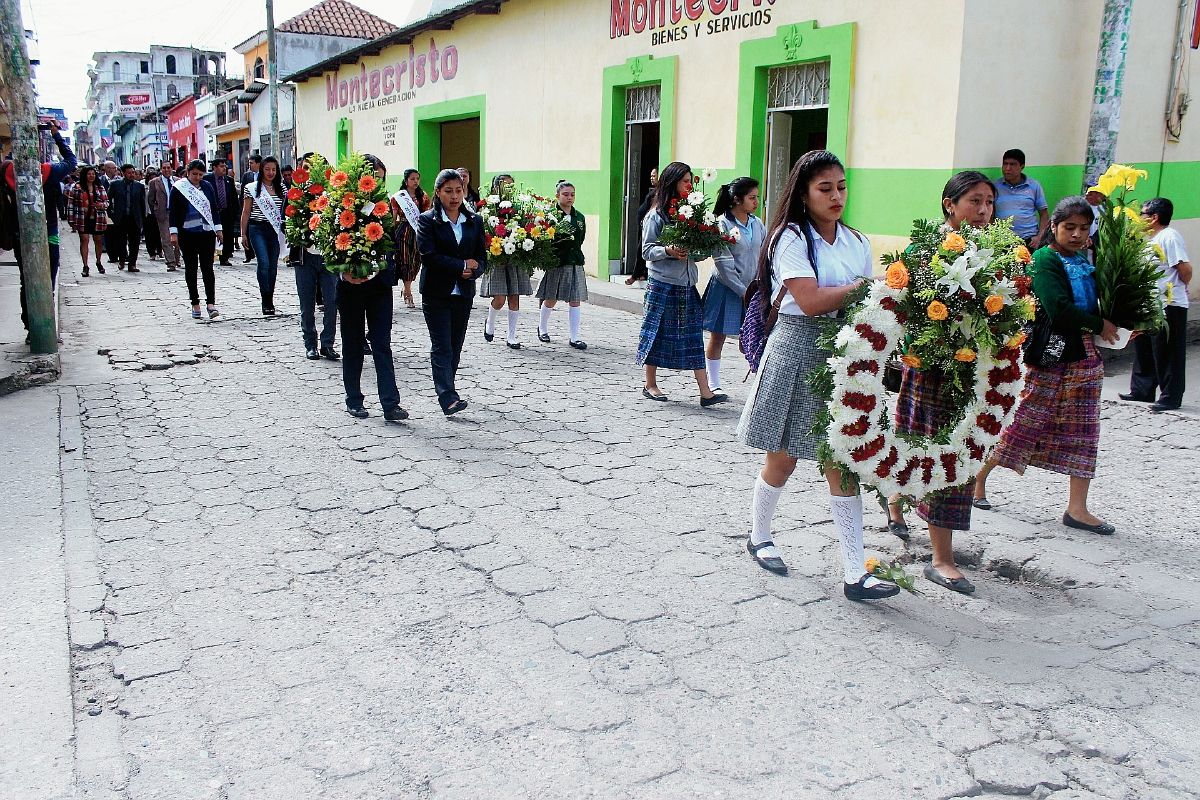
(509, 248)
(686, 212)
(493, 221)
(493, 199)
(695, 198)
(709, 175)
(734, 234)
(524, 198)
(709, 218)
(506, 204)
(527, 245)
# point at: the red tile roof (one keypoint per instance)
(338, 18)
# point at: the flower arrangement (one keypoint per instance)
(1127, 267)
(355, 225)
(691, 226)
(305, 201)
(520, 228)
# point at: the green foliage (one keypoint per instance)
(1127, 268)
(360, 247)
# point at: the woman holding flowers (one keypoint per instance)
(810, 266)
(453, 248)
(408, 204)
(724, 308)
(1057, 426)
(568, 281)
(671, 326)
(503, 281)
(262, 226)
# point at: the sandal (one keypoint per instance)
(408, 300)
(960, 585)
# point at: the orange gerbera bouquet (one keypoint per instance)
(305, 199)
(354, 231)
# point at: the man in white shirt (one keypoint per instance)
(1159, 361)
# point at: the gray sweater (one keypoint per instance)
(737, 266)
(663, 268)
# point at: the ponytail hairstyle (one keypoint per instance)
(1072, 206)
(420, 195)
(277, 183)
(731, 194)
(668, 180)
(792, 210)
(960, 185)
(444, 177)
(503, 177)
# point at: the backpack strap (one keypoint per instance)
(779, 298)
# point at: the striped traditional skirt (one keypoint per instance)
(502, 280)
(922, 409)
(671, 327)
(566, 284)
(1057, 425)
(781, 410)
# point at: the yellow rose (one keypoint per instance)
(1023, 255)
(1015, 340)
(994, 303)
(909, 360)
(954, 243)
(937, 311)
(872, 564)
(965, 355)
(897, 275)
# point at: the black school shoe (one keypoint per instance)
(578, 345)
(706, 402)
(357, 413)
(330, 353)
(396, 414)
(312, 355)
(771, 564)
(857, 592)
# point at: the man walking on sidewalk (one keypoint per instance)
(127, 207)
(158, 195)
(228, 208)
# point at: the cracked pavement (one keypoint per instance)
(549, 595)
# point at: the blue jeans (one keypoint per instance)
(265, 242)
(309, 275)
(367, 305)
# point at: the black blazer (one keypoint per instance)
(232, 199)
(118, 192)
(443, 258)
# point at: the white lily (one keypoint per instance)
(1006, 289)
(960, 271)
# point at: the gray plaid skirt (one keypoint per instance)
(502, 280)
(566, 284)
(781, 409)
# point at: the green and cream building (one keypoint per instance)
(599, 91)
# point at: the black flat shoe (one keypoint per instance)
(858, 592)
(899, 530)
(100, 269)
(960, 585)
(487, 337)
(706, 402)
(455, 407)
(662, 398)
(770, 564)
(1104, 528)
(1133, 398)
(396, 414)
(578, 345)
(1161, 406)
(513, 345)
(982, 504)
(312, 355)
(330, 353)
(543, 337)
(357, 413)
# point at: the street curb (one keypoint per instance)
(24, 370)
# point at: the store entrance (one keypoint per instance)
(797, 122)
(459, 148)
(642, 139)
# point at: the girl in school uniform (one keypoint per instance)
(568, 282)
(504, 282)
(735, 268)
(811, 263)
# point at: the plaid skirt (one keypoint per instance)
(723, 309)
(1057, 425)
(503, 280)
(671, 335)
(781, 408)
(566, 284)
(923, 409)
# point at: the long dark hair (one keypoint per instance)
(1072, 206)
(377, 166)
(90, 191)
(495, 182)
(791, 209)
(420, 196)
(444, 177)
(958, 186)
(731, 194)
(276, 184)
(665, 192)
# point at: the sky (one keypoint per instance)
(70, 31)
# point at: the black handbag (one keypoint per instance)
(893, 375)
(1043, 345)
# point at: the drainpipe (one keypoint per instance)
(1106, 95)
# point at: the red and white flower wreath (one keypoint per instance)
(874, 451)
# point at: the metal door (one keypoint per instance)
(633, 198)
(779, 158)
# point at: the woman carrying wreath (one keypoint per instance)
(811, 264)
(672, 335)
(408, 204)
(924, 406)
(566, 282)
(1057, 425)
(504, 281)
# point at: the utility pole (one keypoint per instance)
(1105, 121)
(27, 166)
(273, 81)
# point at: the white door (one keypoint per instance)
(633, 197)
(779, 158)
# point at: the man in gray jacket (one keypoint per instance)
(158, 194)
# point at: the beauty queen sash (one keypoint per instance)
(199, 200)
(266, 204)
(408, 206)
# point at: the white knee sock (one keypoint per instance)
(762, 509)
(714, 373)
(847, 518)
(513, 316)
(573, 316)
(544, 323)
(489, 327)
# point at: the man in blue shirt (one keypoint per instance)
(1021, 198)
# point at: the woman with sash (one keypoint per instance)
(262, 226)
(195, 231)
(408, 204)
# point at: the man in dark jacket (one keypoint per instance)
(228, 208)
(127, 207)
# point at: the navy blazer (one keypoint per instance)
(233, 201)
(443, 258)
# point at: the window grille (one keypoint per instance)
(798, 86)
(642, 103)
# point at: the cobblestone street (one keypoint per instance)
(549, 596)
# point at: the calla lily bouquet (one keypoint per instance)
(1127, 267)
(691, 226)
(354, 232)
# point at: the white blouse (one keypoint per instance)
(845, 261)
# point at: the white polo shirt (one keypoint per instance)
(1175, 251)
(846, 260)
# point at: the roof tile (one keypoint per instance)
(338, 18)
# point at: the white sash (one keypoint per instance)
(199, 200)
(266, 205)
(408, 206)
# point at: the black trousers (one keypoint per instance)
(367, 305)
(126, 239)
(447, 319)
(1159, 361)
(229, 225)
(199, 249)
(52, 236)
